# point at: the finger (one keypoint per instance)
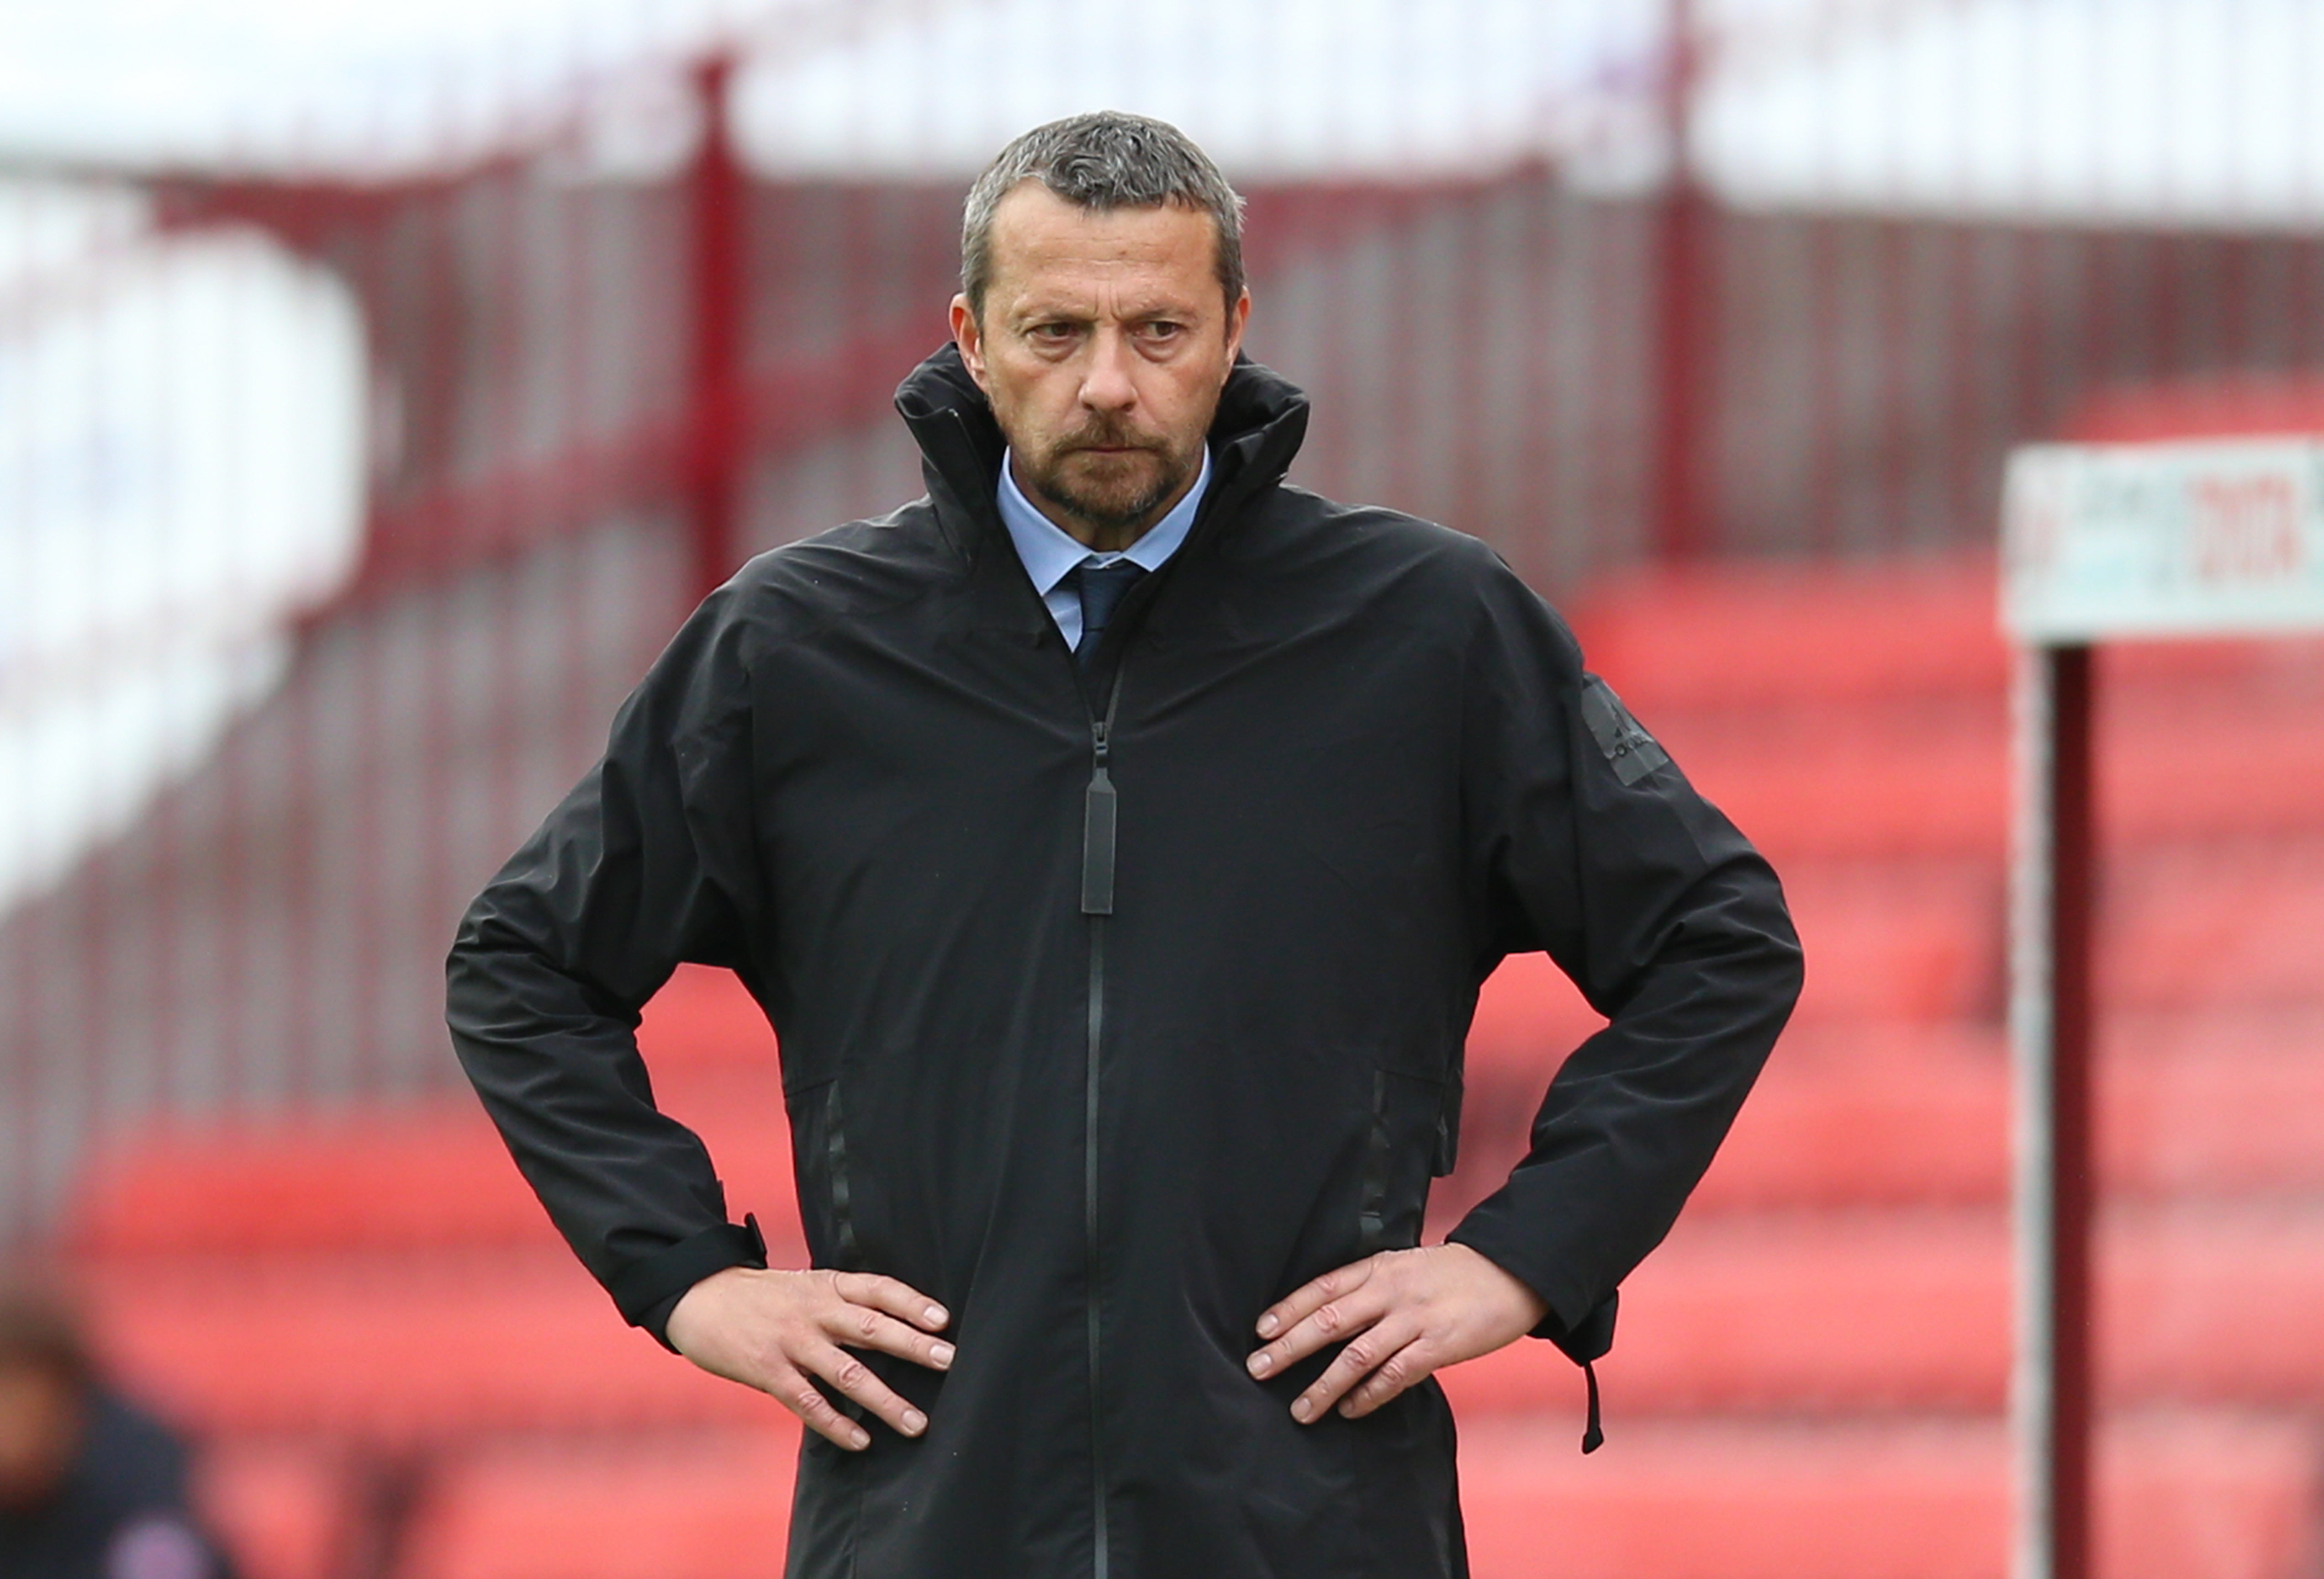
(853, 1378)
(790, 1388)
(1297, 1306)
(899, 1299)
(1378, 1347)
(859, 1326)
(1406, 1368)
(1327, 1324)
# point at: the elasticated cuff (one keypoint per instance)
(648, 1290)
(1587, 1339)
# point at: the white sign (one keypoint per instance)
(2189, 539)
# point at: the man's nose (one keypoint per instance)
(1106, 385)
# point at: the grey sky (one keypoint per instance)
(2207, 110)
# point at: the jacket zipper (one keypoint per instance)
(1098, 828)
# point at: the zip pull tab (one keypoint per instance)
(1098, 812)
(1098, 817)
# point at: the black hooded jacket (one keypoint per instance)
(1114, 1006)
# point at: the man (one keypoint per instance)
(1117, 838)
(90, 1487)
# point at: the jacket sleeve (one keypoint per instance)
(1587, 842)
(648, 863)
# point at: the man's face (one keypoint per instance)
(1103, 345)
(40, 1431)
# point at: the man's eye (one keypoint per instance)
(1055, 334)
(1163, 330)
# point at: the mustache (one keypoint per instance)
(1107, 435)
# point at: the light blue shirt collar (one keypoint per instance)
(1050, 554)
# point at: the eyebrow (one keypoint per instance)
(1051, 312)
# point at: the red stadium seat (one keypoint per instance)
(1847, 1115)
(2227, 1498)
(2216, 923)
(1908, 1310)
(394, 1349)
(704, 1016)
(1861, 780)
(1885, 942)
(1741, 634)
(1919, 941)
(2231, 405)
(284, 1510)
(434, 1174)
(708, 1506)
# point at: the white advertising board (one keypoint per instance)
(2184, 539)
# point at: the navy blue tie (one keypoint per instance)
(1101, 589)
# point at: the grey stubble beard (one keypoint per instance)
(1053, 486)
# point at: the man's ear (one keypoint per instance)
(969, 335)
(1238, 318)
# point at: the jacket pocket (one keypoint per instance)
(1410, 1141)
(818, 1115)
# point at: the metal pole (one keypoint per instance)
(1685, 316)
(2051, 1024)
(717, 436)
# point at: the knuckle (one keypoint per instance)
(867, 1323)
(851, 1375)
(1329, 1318)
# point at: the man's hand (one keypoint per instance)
(776, 1330)
(1403, 1314)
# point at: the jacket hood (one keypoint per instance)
(1261, 421)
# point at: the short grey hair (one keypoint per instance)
(1102, 160)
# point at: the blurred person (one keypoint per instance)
(1117, 838)
(91, 1487)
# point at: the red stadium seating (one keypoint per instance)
(706, 1505)
(1739, 636)
(2227, 1498)
(394, 1350)
(2205, 1105)
(1888, 1311)
(703, 1016)
(427, 1176)
(287, 1510)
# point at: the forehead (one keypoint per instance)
(1043, 245)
